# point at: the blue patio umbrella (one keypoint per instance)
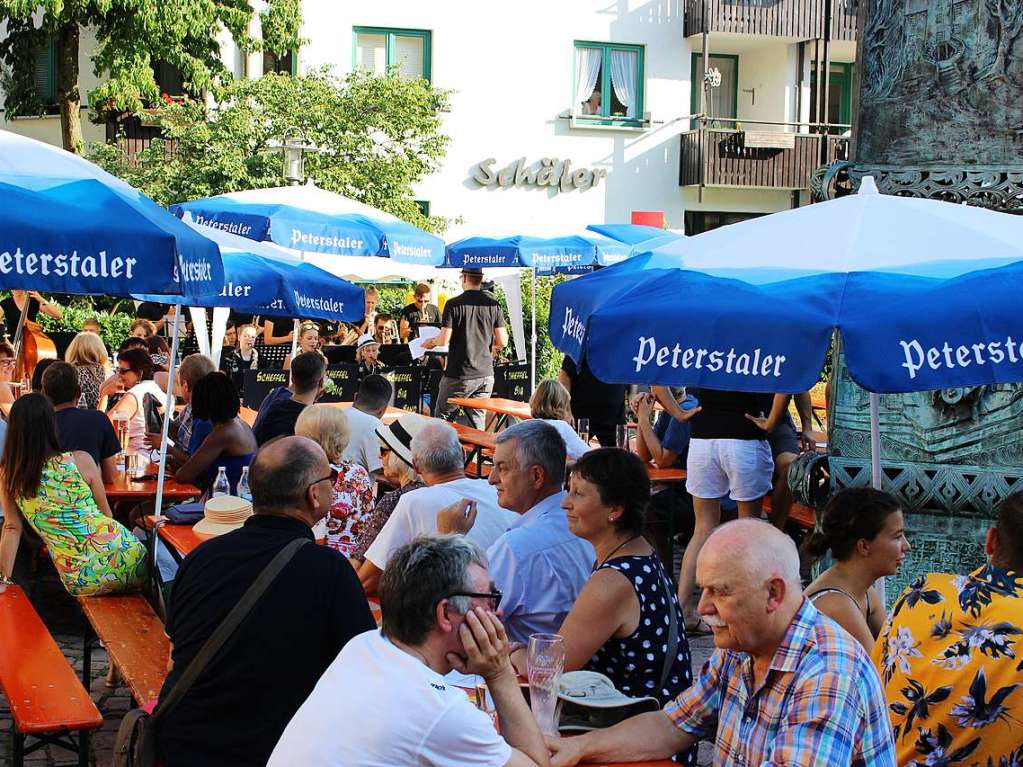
(67, 226)
(925, 295)
(312, 220)
(569, 254)
(578, 253)
(631, 234)
(262, 279)
(70, 227)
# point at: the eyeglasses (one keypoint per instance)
(494, 595)
(121, 371)
(332, 477)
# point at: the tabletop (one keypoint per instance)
(123, 488)
(182, 538)
(498, 405)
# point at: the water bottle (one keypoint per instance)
(243, 486)
(221, 486)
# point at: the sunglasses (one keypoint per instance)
(121, 371)
(494, 595)
(332, 477)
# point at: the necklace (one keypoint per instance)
(614, 551)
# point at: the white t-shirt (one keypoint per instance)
(378, 706)
(416, 514)
(364, 446)
(574, 446)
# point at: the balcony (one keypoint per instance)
(132, 135)
(760, 160)
(800, 19)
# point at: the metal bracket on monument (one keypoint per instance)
(993, 187)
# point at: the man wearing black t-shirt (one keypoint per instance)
(472, 327)
(77, 429)
(420, 311)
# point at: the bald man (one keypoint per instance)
(786, 685)
(237, 709)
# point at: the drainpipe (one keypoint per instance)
(703, 103)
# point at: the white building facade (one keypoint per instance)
(570, 113)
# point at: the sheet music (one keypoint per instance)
(416, 344)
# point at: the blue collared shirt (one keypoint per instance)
(540, 567)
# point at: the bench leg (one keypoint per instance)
(83, 748)
(17, 748)
(87, 660)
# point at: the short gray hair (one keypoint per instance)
(436, 449)
(418, 576)
(538, 444)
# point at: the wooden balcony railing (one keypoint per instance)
(803, 19)
(132, 135)
(719, 157)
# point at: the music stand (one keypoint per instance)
(339, 355)
(395, 355)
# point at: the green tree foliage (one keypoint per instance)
(131, 35)
(377, 135)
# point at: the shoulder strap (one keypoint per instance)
(669, 658)
(835, 590)
(229, 625)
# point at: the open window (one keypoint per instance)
(608, 83)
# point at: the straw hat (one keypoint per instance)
(398, 436)
(223, 514)
(588, 700)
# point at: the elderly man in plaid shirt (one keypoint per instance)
(786, 685)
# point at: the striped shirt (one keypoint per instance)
(821, 702)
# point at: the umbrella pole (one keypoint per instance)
(167, 411)
(875, 440)
(532, 330)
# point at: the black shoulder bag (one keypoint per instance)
(136, 737)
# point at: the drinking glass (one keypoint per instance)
(582, 426)
(123, 438)
(545, 661)
(622, 436)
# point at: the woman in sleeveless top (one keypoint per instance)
(61, 497)
(626, 622)
(135, 369)
(865, 533)
(89, 357)
(228, 441)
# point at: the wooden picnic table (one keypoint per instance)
(499, 406)
(390, 415)
(123, 488)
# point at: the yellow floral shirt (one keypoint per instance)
(950, 661)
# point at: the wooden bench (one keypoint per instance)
(800, 515)
(134, 638)
(47, 701)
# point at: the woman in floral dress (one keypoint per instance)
(60, 495)
(353, 490)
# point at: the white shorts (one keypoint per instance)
(741, 468)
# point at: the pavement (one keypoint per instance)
(64, 619)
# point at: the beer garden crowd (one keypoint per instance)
(562, 533)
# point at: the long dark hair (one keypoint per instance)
(139, 361)
(31, 442)
(851, 514)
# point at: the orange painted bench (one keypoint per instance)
(800, 515)
(134, 639)
(47, 701)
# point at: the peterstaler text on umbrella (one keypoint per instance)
(66, 264)
(961, 356)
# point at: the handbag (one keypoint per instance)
(136, 737)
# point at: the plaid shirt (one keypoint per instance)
(820, 704)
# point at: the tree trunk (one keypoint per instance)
(69, 98)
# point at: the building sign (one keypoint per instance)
(549, 172)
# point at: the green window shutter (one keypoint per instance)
(44, 72)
